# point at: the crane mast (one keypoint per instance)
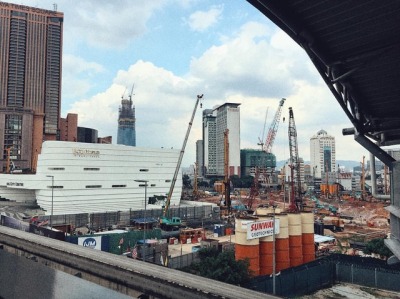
(274, 128)
(195, 187)
(296, 198)
(171, 189)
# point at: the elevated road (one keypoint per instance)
(127, 276)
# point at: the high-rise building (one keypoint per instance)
(215, 123)
(69, 128)
(199, 157)
(127, 123)
(209, 144)
(252, 159)
(30, 81)
(322, 154)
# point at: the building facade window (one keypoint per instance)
(13, 137)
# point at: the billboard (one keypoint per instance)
(91, 242)
(260, 229)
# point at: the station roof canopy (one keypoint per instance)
(355, 46)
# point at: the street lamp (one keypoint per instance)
(52, 198)
(273, 251)
(145, 209)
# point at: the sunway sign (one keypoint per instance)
(260, 229)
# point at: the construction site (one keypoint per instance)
(278, 224)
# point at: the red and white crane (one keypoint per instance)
(274, 128)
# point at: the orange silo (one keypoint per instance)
(247, 249)
(282, 257)
(295, 240)
(266, 255)
(307, 227)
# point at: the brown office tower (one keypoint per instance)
(30, 82)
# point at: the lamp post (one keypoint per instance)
(52, 199)
(145, 209)
(273, 251)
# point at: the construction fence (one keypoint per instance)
(183, 261)
(326, 272)
(98, 221)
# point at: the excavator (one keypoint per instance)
(167, 222)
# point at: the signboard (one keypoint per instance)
(91, 242)
(260, 229)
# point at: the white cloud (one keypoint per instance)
(256, 67)
(77, 65)
(202, 20)
(110, 24)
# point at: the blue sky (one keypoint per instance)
(173, 50)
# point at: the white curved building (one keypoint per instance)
(88, 178)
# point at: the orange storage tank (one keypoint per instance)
(244, 248)
(266, 255)
(282, 257)
(295, 240)
(308, 237)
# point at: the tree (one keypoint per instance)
(186, 181)
(221, 266)
(203, 184)
(378, 246)
(236, 181)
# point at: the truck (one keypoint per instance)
(170, 224)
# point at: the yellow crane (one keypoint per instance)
(165, 221)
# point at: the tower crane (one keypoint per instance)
(261, 140)
(296, 198)
(269, 142)
(130, 95)
(274, 128)
(164, 220)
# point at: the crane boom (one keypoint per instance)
(171, 189)
(274, 128)
(296, 198)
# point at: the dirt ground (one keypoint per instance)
(350, 291)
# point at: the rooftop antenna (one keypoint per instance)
(55, 6)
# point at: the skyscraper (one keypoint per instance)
(215, 123)
(199, 157)
(30, 81)
(209, 166)
(323, 154)
(127, 122)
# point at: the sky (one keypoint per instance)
(173, 50)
